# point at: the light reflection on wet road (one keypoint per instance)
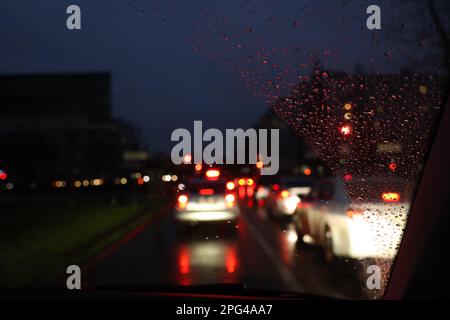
(258, 252)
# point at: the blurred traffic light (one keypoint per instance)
(392, 166)
(345, 130)
(348, 115)
(348, 177)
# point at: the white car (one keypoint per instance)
(360, 218)
(206, 201)
(283, 197)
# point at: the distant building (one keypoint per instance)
(59, 126)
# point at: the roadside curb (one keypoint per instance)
(94, 260)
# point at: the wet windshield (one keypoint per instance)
(273, 144)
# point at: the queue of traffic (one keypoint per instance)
(352, 217)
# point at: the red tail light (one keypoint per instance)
(390, 196)
(206, 192)
(348, 177)
(231, 260)
(346, 130)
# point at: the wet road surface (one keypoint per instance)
(257, 251)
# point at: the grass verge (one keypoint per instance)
(39, 240)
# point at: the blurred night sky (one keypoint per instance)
(161, 81)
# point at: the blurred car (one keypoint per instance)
(263, 188)
(284, 196)
(206, 200)
(360, 218)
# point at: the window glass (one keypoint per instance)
(112, 112)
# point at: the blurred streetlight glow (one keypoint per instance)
(97, 182)
(187, 159)
(348, 106)
(346, 130)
